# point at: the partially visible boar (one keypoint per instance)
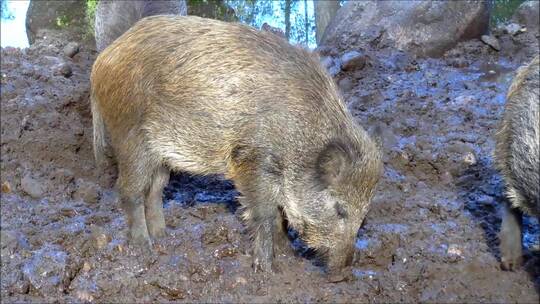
(209, 97)
(115, 17)
(517, 156)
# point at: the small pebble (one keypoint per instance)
(86, 267)
(353, 60)
(469, 159)
(63, 69)
(71, 49)
(31, 186)
(6, 187)
(491, 41)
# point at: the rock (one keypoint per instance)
(46, 269)
(491, 41)
(353, 60)
(12, 241)
(423, 28)
(71, 49)
(99, 237)
(345, 84)
(86, 191)
(225, 251)
(332, 66)
(32, 186)
(215, 235)
(469, 159)
(512, 28)
(527, 15)
(67, 15)
(63, 69)
(6, 187)
(113, 18)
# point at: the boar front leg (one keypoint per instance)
(510, 238)
(282, 244)
(261, 215)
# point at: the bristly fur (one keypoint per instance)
(517, 156)
(517, 153)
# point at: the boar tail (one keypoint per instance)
(99, 132)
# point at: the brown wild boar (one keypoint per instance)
(517, 156)
(208, 97)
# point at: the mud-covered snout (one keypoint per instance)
(339, 257)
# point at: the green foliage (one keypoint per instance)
(503, 10)
(63, 21)
(215, 9)
(90, 15)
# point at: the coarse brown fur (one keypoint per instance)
(517, 156)
(208, 97)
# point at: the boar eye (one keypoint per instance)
(340, 210)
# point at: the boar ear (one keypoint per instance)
(332, 163)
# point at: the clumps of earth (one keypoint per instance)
(430, 236)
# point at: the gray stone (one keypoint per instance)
(512, 28)
(87, 192)
(353, 60)
(345, 84)
(332, 65)
(31, 186)
(47, 14)
(528, 15)
(424, 28)
(63, 69)
(491, 41)
(71, 49)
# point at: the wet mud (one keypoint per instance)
(430, 236)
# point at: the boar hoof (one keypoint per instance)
(511, 257)
(262, 265)
(510, 237)
(157, 233)
(139, 239)
(511, 264)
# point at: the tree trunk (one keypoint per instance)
(325, 10)
(306, 22)
(288, 19)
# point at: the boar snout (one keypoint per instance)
(340, 257)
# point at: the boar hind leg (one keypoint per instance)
(154, 204)
(134, 182)
(510, 238)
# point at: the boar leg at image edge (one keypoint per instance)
(510, 238)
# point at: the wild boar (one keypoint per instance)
(208, 97)
(517, 157)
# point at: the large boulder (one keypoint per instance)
(528, 15)
(113, 18)
(64, 14)
(423, 28)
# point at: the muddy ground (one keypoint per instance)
(431, 234)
